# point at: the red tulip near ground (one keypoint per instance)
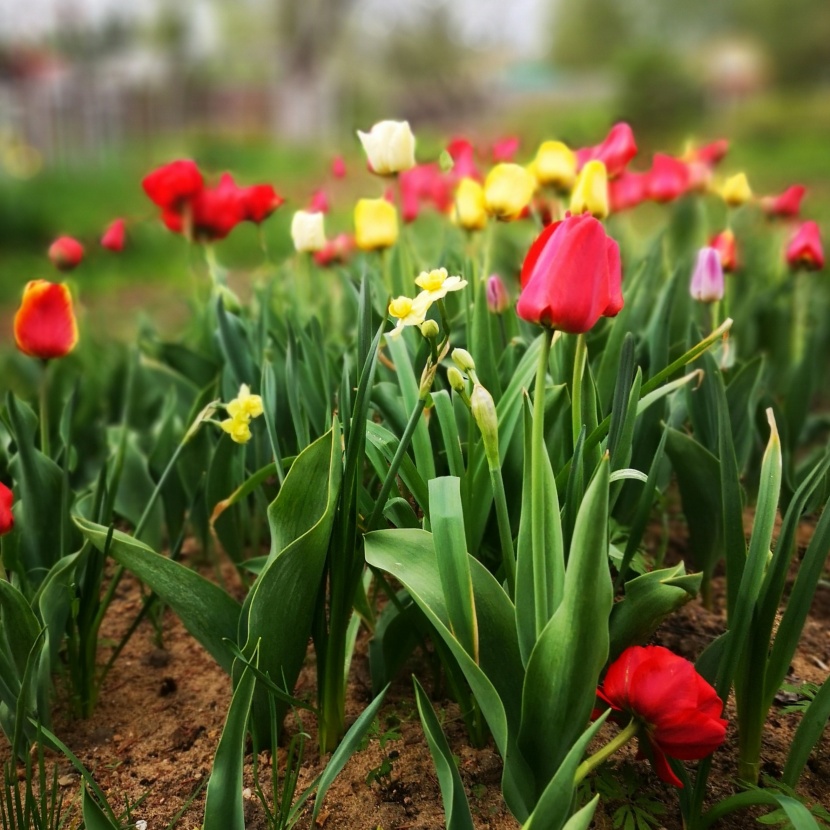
(44, 325)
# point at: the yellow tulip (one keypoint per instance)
(736, 190)
(508, 190)
(590, 195)
(375, 224)
(469, 211)
(555, 165)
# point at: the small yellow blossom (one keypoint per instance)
(409, 312)
(238, 428)
(437, 284)
(245, 404)
(736, 190)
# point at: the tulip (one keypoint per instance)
(114, 236)
(805, 249)
(498, 300)
(615, 151)
(469, 210)
(508, 190)
(462, 153)
(423, 184)
(389, 146)
(676, 712)
(707, 276)
(308, 231)
(668, 178)
(319, 202)
(786, 205)
(571, 276)
(555, 165)
(376, 224)
(338, 167)
(627, 190)
(66, 253)
(437, 284)
(172, 185)
(212, 213)
(709, 155)
(44, 325)
(259, 202)
(505, 149)
(736, 190)
(724, 243)
(6, 515)
(335, 250)
(590, 195)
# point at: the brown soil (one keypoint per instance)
(161, 713)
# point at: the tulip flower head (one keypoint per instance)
(508, 190)
(555, 165)
(308, 231)
(678, 712)
(707, 276)
(805, 249)
(241, 410)
(590, 195)
(66, 253)
(736, 190)
(469, 211)
(498, 300)
(615, 151)
(668, 178)
(335, 250)
(44, 325)
(389, 146)
(436, 284)
(786, 205)
(6, 515)
(571, 276)
(375, 224)
(211, 214)
(114, 236)
(505, 149)
(338, 167)
(408, 312)
(173, 185)
(259, 202)
(319, 202)
(724, 243)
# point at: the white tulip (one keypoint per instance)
(308, 231)
(390, 147)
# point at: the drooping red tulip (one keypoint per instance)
(678, 712)
(66, 253)
(258, 202)
(44, 325)
(615, 151)
(668, 178)
(786, 205)
(805, 249)
(6, 515)
(114, 236)
(571, 276)
(173, 184)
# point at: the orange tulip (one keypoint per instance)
(44, 325)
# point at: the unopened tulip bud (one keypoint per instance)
(375, 224)
(555, 165)
(429, 328)
(456, 379)
(308, 231)
(469, 209)
(464, 360)
(484, 411)
(66, 253)
(707, 277)
(44, 325)
(590, 195)
(338, 167)
(389, 146)
(498, 300)
(114, 236)
(724, 243)
(805, 249)
(736, 190)
(508, 190)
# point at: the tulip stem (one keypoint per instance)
(45, 446)
(580, 358)
(619, 741)
(541, 590)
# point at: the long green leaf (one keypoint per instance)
(94, 817)
(809, 732)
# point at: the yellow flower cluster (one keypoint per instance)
(435, 285)
(241, 409)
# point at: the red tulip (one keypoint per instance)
(114, 236)
(464, 160)
(710, 154)
(259, 202)
(319, 202)
(44, 325)
(171, 185)
(505, 149)
(615, 151)
(786, 205)
(667, 179)
(571, 276)
(678, 711)
(338, 167)
(66, 253)
(805, 249)
(213, 212)
(628, 190)
(336, 250)
(724, 243)
(6, 516)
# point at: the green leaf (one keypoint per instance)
(387, 443)
(456, 808)
(449, 431)
(809, 732)
(206, 611)
(233, 340)
(224, 806)
(94, 817)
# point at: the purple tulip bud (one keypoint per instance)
(498, 299)
(707, 278)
